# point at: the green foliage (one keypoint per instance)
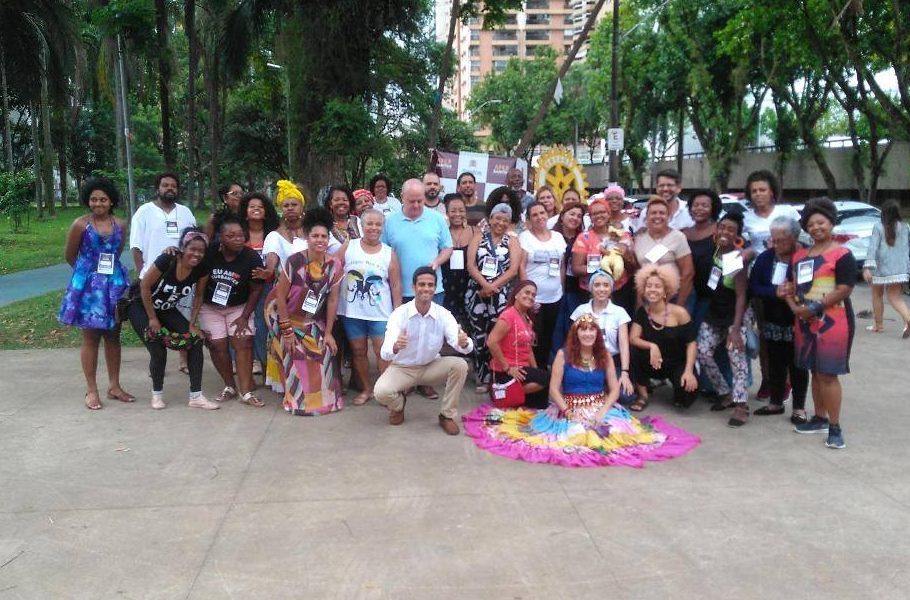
(507, 101)
(133, 19)
(16, 192)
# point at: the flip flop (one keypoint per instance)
(123, 396)
(183, 369)
(875, 328)
(93, 405)
(361, 399)
(639, 405)
(251, 399)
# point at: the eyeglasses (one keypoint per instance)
(235, 194)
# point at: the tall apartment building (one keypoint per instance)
(542, 22)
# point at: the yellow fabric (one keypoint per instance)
(287, 189)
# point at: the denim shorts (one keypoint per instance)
(357, 329)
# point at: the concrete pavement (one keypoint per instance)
(127, 502)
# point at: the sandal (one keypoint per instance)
(771, 409)
(89, 404)
(361, 399)
(798, 419)
(722, 403)
(121, 395)
(251, 399)
(183, 369)
(875, 328)
(228, 393)
(639, 405)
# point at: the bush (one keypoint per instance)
(16, 192)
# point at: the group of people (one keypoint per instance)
(571, 313)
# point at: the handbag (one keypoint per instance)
(130, 295)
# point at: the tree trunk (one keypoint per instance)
(443, 76)
(212, 85)
(189, 26)
(7, 132)
(164, 82)
(36, 157)
(47, 161)
(680, 138)
(62, 168)
(527, 137)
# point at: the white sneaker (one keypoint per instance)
(203, 402)
(158, 401)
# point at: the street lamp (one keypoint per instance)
(287, 107)
(614, 95)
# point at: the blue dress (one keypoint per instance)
(90, 300)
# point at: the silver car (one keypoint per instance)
(853, 229)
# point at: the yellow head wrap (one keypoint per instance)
(287, 189)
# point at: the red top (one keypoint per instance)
(516, 345)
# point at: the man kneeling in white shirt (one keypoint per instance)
(413, 338)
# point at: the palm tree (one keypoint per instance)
(36, 37)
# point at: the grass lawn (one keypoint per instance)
(33, 324)
(42, 244)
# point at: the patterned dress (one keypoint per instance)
(545, 436)
(483, 312)
(90, 301)
(823, 344)
(309, 376)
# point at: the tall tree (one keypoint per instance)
(165, 59)
(189, 27)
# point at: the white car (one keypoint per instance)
(853, 229)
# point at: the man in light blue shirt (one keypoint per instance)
(419, 238)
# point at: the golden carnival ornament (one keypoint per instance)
(558, 169)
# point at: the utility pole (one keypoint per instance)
(614, 91)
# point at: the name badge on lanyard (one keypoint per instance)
(805, 272)
(105, 263)
(311, 302)
(779, 275)
(456, 262)
(593, 262)
(714, 278)
(490, 267)
(656, 253)
(171, 229)
(541, 256)
(221, 294)
(553, 271)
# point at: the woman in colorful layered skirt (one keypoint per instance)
(584, 426)
(93, 248)
(819, 295)
(306, 301)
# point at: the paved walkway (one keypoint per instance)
(128, 502)
(23, 285)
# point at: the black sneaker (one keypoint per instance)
(816, 424)
(835, 438)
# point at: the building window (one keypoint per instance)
(475, 34)
(511, 20)
(500, 65)
(475, 65)
(505, 35)
(475, 79)
(475, 50)
(537, 34)
(537, 4)
(505, 51)
(538, 19)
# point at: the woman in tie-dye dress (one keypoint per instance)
(306, 301)
(93, 248)
(823, 277)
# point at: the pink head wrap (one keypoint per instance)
(615, 189)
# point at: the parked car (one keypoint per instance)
(853, 229)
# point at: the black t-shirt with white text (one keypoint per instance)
(229, 282)
(169, 290)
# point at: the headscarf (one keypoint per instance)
(193, 235)
(598, 199)
(287, 189)
(502, 208)
(822, 206)
(614, 189)
(362, 192)
(601, 273)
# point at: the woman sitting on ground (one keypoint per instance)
(510, 345)
(662, 338)
(583, 427)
